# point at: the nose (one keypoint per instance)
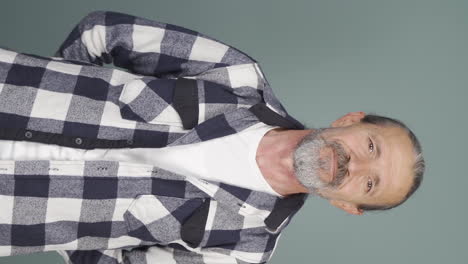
(359, 166)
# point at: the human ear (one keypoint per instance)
(350, 208)
(348, 119)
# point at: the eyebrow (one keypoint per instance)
(377, 145)
(376, 184)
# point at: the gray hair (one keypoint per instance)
(418, 166)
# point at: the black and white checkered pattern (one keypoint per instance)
(118, 212)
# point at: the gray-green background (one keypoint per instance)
(403, 58)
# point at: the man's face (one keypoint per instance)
(354, 163)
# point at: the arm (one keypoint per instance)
(92, 256)
(179, 255)
(148, 255)
(146, 47)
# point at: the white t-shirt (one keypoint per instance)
(229, 159)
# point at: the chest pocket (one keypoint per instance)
(163, 219)
(177, 102)
(150, 100)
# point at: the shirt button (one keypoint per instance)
(78, 141)
(28, 134)
(129, 142)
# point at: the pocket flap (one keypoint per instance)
(186, 102)
(159, 218)
(193, 228)
(149, 100)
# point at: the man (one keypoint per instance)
(189, 158)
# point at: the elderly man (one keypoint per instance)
(187, 158)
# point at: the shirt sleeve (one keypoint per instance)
(148, 255)
(170, 255)
(113, 256)
(146, 47)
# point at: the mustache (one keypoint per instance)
(342, 163)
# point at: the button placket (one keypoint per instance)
(28, 134)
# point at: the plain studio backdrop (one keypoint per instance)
(407, 59)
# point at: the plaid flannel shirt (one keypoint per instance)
(181, 87)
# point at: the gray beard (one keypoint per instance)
(308, 164)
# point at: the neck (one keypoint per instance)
(275, 160)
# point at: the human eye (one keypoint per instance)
(371, 145)
(370, 184)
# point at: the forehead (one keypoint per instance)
(395, 164)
